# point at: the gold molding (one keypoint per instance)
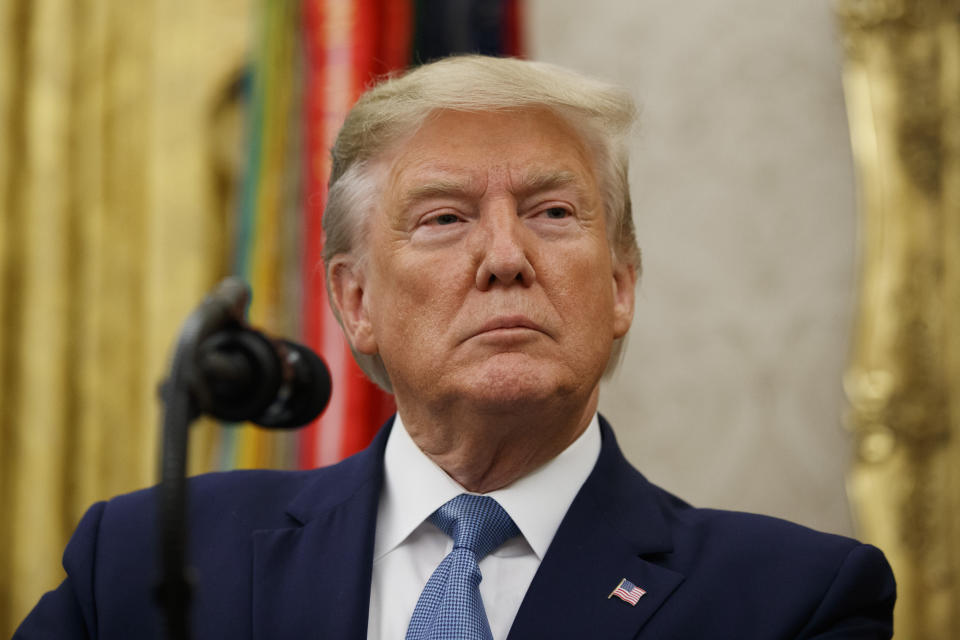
(901, 81)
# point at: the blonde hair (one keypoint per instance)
(601, 113)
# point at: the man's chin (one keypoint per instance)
(512, 384)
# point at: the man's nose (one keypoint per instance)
(504, 255)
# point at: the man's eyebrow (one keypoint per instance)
(437, 189)
(536, 182)
(529, 184)
(547, 180)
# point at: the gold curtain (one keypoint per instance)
(902, 83)
(112, 226)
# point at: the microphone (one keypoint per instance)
(240, 374)
(223, 367)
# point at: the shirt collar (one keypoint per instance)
(414, 487)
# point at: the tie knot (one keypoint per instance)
(477, 523)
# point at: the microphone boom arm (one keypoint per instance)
(224, 308)
(224, 368)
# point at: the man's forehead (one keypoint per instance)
(461, 155)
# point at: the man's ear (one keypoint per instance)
(348, 290)
(624, 290)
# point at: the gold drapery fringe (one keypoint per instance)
(111, 230)
(902, 83)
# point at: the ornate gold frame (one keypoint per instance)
(902, 85)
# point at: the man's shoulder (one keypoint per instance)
(738, 536)
(241, 498)
(806, 580)
(696, 531)
(775, 554)
(235, 500)
(236, 486)
(755, 531)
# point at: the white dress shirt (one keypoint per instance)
(409, 547)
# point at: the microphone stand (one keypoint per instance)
(224, 308)
(228, 370)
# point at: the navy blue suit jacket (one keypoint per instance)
(288, 555)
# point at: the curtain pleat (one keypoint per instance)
(111, 230)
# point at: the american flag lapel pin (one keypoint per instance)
(627, 591)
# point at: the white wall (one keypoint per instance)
(730, 394)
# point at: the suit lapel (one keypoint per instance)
(614, 529)
(312, 579)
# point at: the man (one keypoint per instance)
(481, 258)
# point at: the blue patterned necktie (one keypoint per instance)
(450, 604)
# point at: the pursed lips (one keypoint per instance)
(508, 322)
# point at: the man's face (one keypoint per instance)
(488, 277)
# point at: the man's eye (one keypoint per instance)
(556, 213)
(445, 219)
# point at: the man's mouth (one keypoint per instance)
(507, 323)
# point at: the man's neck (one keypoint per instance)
(485, 451)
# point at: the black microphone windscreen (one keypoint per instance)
(307, 394)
